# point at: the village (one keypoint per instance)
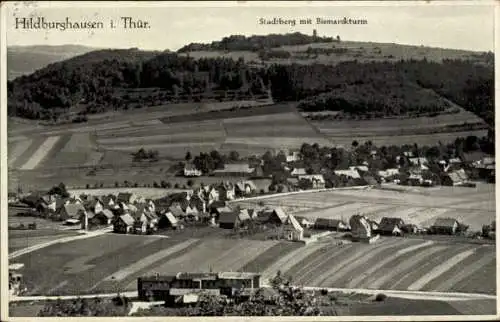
(214, 205)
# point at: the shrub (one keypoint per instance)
(380, 297)
(324, 292)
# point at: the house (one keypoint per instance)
(418, 161)
(109, 201)
(388, 173)
(226, 191)
(293, 156)
(197, 202)
(104, 217)
(258, 172)
(276, 215)
(177, 211)
(141, 223)
(350, 173)
(361, 228)
(167, 219)
(292, 230)
(317, 180)
(370, 180)
(219, 211)
(454, 178)
(444, 226)
(298, 172)
(192, 212)
(228, 219)
(124, 224)
(415, 179)
(245, 215)
(213, 194)
(304, 222)
(12, 197)
(94, 205)
(391, 226)
(213, 206)
(243, 188)
(235, 170)
(70, 211)
(363, 168)
(190, 170)
(331, 224)
(126, 197)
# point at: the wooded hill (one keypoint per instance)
(120, 79)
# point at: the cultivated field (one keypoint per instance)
(472, 206)
(110, 263)
(421, 130)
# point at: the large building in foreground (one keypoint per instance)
(185, 287)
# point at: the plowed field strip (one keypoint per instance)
(304, 269)
(26, 155)
(240, 255)
(18, 149)
(464, 273)
(358, 280)
(483, 281)
(149, 260)
(360, 252)
(341, 276)
(265, 259)
(40, 153)
(421, 268)
(288, 261)
(439, 270)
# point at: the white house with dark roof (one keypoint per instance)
(190, 170)
(317, 180)
(292, 230)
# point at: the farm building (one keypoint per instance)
(141, 223)
(361, 229)
(455, 178)
(126, 198)
(304, 222)
(298, 172)
(317, 180)
(331, 224)
(292, 230)
(109, 201)
(70, 211)
(245, 214)
(105, 217)
(447, 226)
(177, 211)
(276, 215)
(123, 224)
(198, 203)
(228, 219)
(172, 288)
(362, 168)
(167, 220)
(388, 173)
(226, 191)
(190, 170)
(235, 170)
(415, 179)
(391, 226)
(243, 188)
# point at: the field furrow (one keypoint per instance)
(40, 153)
(18, 149)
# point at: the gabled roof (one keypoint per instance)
(176, 211)
(352, 173)
(280, 213)
(127, 219)
(388, 223)
(294, 223)
(190, 167)
(445, 222)
(171, 218)
(458, 176)
(244, 215)
(124, 196)
(243, 184)
(73, 209)
(107, 213)
(299, 171)
(418, 160)
(228, 217)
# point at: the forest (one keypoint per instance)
(255, 43)
(120, 79)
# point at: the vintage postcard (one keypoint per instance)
(309, 161)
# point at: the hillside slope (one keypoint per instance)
(24, 60)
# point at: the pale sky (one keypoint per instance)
(465, 26)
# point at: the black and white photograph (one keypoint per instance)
(321, 160)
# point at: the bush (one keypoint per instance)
(324, 292)
(381, 297)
